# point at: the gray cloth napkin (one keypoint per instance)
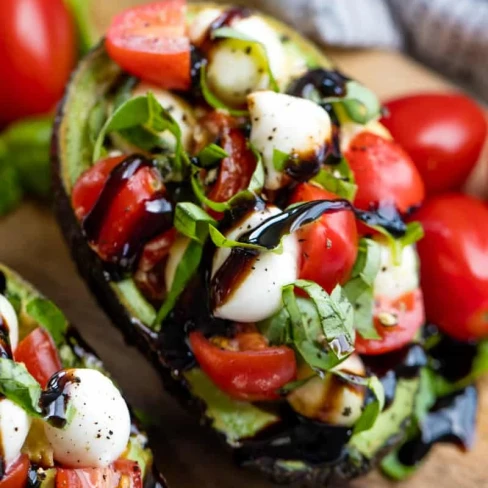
(451, 36)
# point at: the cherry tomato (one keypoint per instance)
(384, 173)
(245, 374)
(454, 264)
(329, 246)
(408, 310)
(126, 208)
(39, 354)
(443, 133)
(150, 42)
(16, 476)
(37, 53)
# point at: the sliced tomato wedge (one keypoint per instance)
(245, 374)
(328, 246)
(16, 476)
(126, 209)
(396, 321)
(151, 42)
(39, 354)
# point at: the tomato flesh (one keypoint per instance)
(39, 354)
(408, 310)
(126, 208)
(150, 42)
(454, 264)
(16, 476)
(328, 246)
(249, 375)
(443, 133)
(384, 173)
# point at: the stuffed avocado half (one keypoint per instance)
(239, 212)
(61, 417)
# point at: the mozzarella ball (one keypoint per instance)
(331, 399)
(9, 318)
(99, 429)
(14, 428)
(396, 279)
(258, 295)
(178, 108)
(175, 255)
(292, 125)
(199, 26)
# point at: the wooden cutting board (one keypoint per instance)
(31, 243)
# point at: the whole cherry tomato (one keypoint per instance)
(16, 475)
(150, 41)
(250, 371)
(384, 173)
(454, 264)
(37, 53)
(329, 246)
(443, 133)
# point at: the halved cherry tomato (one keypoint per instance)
(329, 246)
(252, 374)
(123, 473)
(37, 53)
(384, 173)
(150, 41)
(16, 476)
(454, 264)
(443, 133)
(126, 208)
(408, 312)
(39, 354)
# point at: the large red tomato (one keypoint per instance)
(37, 53)
(454, 264)
(329, 246)
(443, 134)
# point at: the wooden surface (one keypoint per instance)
(31, 243)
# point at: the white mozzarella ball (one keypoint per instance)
(9, 318)
(99, 430)
(258, 296)
(201, 23)
(396, 279)
(178, 108)
(292, 125)
(14, 428)
(330, 399)
(175, 255)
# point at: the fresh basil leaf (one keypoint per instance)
(184, 272)
(19, 386)
(192, 221)
(211, 155)
(374, 407)
(220, 240)
(80, 11)
(49, 317)
(359, 289)
(361, 104)
(338, 179)
(276, 328)
(414, 233)
(280, 159)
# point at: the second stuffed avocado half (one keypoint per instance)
(212, 202)
(63, 421)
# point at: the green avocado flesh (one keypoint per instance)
(83, 114)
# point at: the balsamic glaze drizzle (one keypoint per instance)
(5, 348)
(328, 83)
(3, 283)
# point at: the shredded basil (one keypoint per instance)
(220, 240)
(280, 159)
(374, 407)
(338, 179)
(192, 221)
(361, 104)
(210, 155)
(48, 316)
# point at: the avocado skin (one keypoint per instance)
(136, 334)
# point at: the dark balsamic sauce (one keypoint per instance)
(5, 348)
(452, 420)
(155, 219)
(225, 20)
(327, 83)
(54, 399)
(33, 478)
(3, 283)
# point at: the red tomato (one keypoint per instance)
(329, 246)
(39, 354)
(454, 264)
(123, 473)
(245, 374)
(16, 476)
(409, 311)
(384, 173)
(443, 133)
(150, 41)
(37, 53)
(126, 208)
